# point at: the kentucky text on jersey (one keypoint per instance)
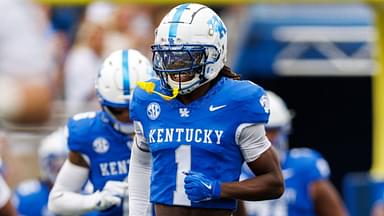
(200, 136)
(108, 151)
(165, 135)
(114, 168)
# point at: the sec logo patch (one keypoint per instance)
(100, 145)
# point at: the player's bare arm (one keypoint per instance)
(8, 209)
(77, 159)
(269, 183)
(326, 199)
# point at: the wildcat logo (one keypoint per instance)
(217, 25)
(184, 112)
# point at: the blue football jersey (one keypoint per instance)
(108, 151)
(200, 136)
(31, 198)
(301, 167)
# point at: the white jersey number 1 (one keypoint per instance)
(183, 160)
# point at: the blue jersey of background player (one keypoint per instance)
(31, 196)
(308, 191)
(100, 142)
(198, 140)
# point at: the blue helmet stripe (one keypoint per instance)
(175, 20)
(126, 86)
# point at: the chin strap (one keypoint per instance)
(150, 88)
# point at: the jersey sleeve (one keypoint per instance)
(77, 130)
(254, 105)
(73, 143)
(252, 141)
(133, 105)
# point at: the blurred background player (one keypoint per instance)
(100, 142)
(308, 189)
(31, 196)
(200, 136)
(6, 207)
(27, 70)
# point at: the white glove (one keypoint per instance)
(112, 194)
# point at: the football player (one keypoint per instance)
(6, 207)
(196, 126)
(308, 190)
(100, 142)
(31, 196)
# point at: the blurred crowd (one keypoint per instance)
(61, 49)
(74, 42)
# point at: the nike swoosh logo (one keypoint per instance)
(209, 186)
(214, 108)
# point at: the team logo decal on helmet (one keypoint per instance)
(100, 145)
(217, 25)
(153, 110)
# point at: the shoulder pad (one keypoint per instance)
(251, 100)
(81, 122)
(79, 127)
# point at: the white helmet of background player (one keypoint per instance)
(117, 78)
(52, 154)
(280, 121)
(191, 39)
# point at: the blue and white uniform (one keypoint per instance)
(201, 136)
(106, 150)
(31, 198)
(301, 168)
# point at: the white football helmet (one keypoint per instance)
(191, 39)
(280, 116)
(117, 78)
(52, 153)
(280, 120)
